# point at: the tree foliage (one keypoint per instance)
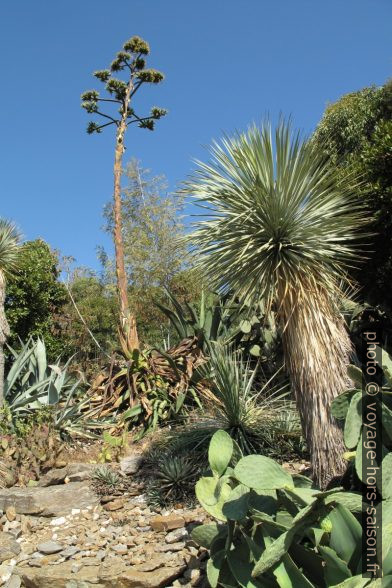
(97, 305)
(356, 135)
(35, 298)
(151, 228)
(155, 255)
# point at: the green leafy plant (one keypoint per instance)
(112, 447)
(349, 407)
(224, 320)
(32, 383)
(277, 530)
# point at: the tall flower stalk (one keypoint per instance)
(121, 93)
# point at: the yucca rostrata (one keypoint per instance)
(278, 226)
(9, 253)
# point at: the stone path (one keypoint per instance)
(62, 536)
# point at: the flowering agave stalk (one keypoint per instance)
(131, 61)
(279, 227)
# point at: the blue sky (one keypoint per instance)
(227, 63)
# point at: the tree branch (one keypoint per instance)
(106, 116)
(135, 88)
(107, 124)
(108, 100)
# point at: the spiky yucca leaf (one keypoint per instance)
(275, 215)
(9, 246)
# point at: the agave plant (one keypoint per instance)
(106, 476)
(281, 228)
(257, 413)
(32, 384)
(172, 478)
(209, 322)
(222, 319)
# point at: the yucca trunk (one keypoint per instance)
(4, 333)
(317, 348)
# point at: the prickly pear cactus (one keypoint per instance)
(268, 522)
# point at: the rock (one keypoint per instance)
(80, 472)
(152, 564)
(69, 551)
(9, 547)
(131, 463)
(53, 477)
(177, 535)
(5, 573)
(10, 513)
(58, 522)
(114, 504)
(170, 547)
(53, 501)
(120, 549)
(167, 523)
(50, 547)
(73, 472)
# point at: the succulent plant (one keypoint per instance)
(23, 459)
(107, 476)
(277, 530)
(172, 479)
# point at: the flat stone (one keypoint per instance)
(58, 522)
(54, 501)
(114, 504)
(167, 523)
(170, 547)
(73, 472)
(176, 535)
(5, 573)
(69, 551)
(120, 549)
(9, 547)
(131, 463)
(50, 547)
